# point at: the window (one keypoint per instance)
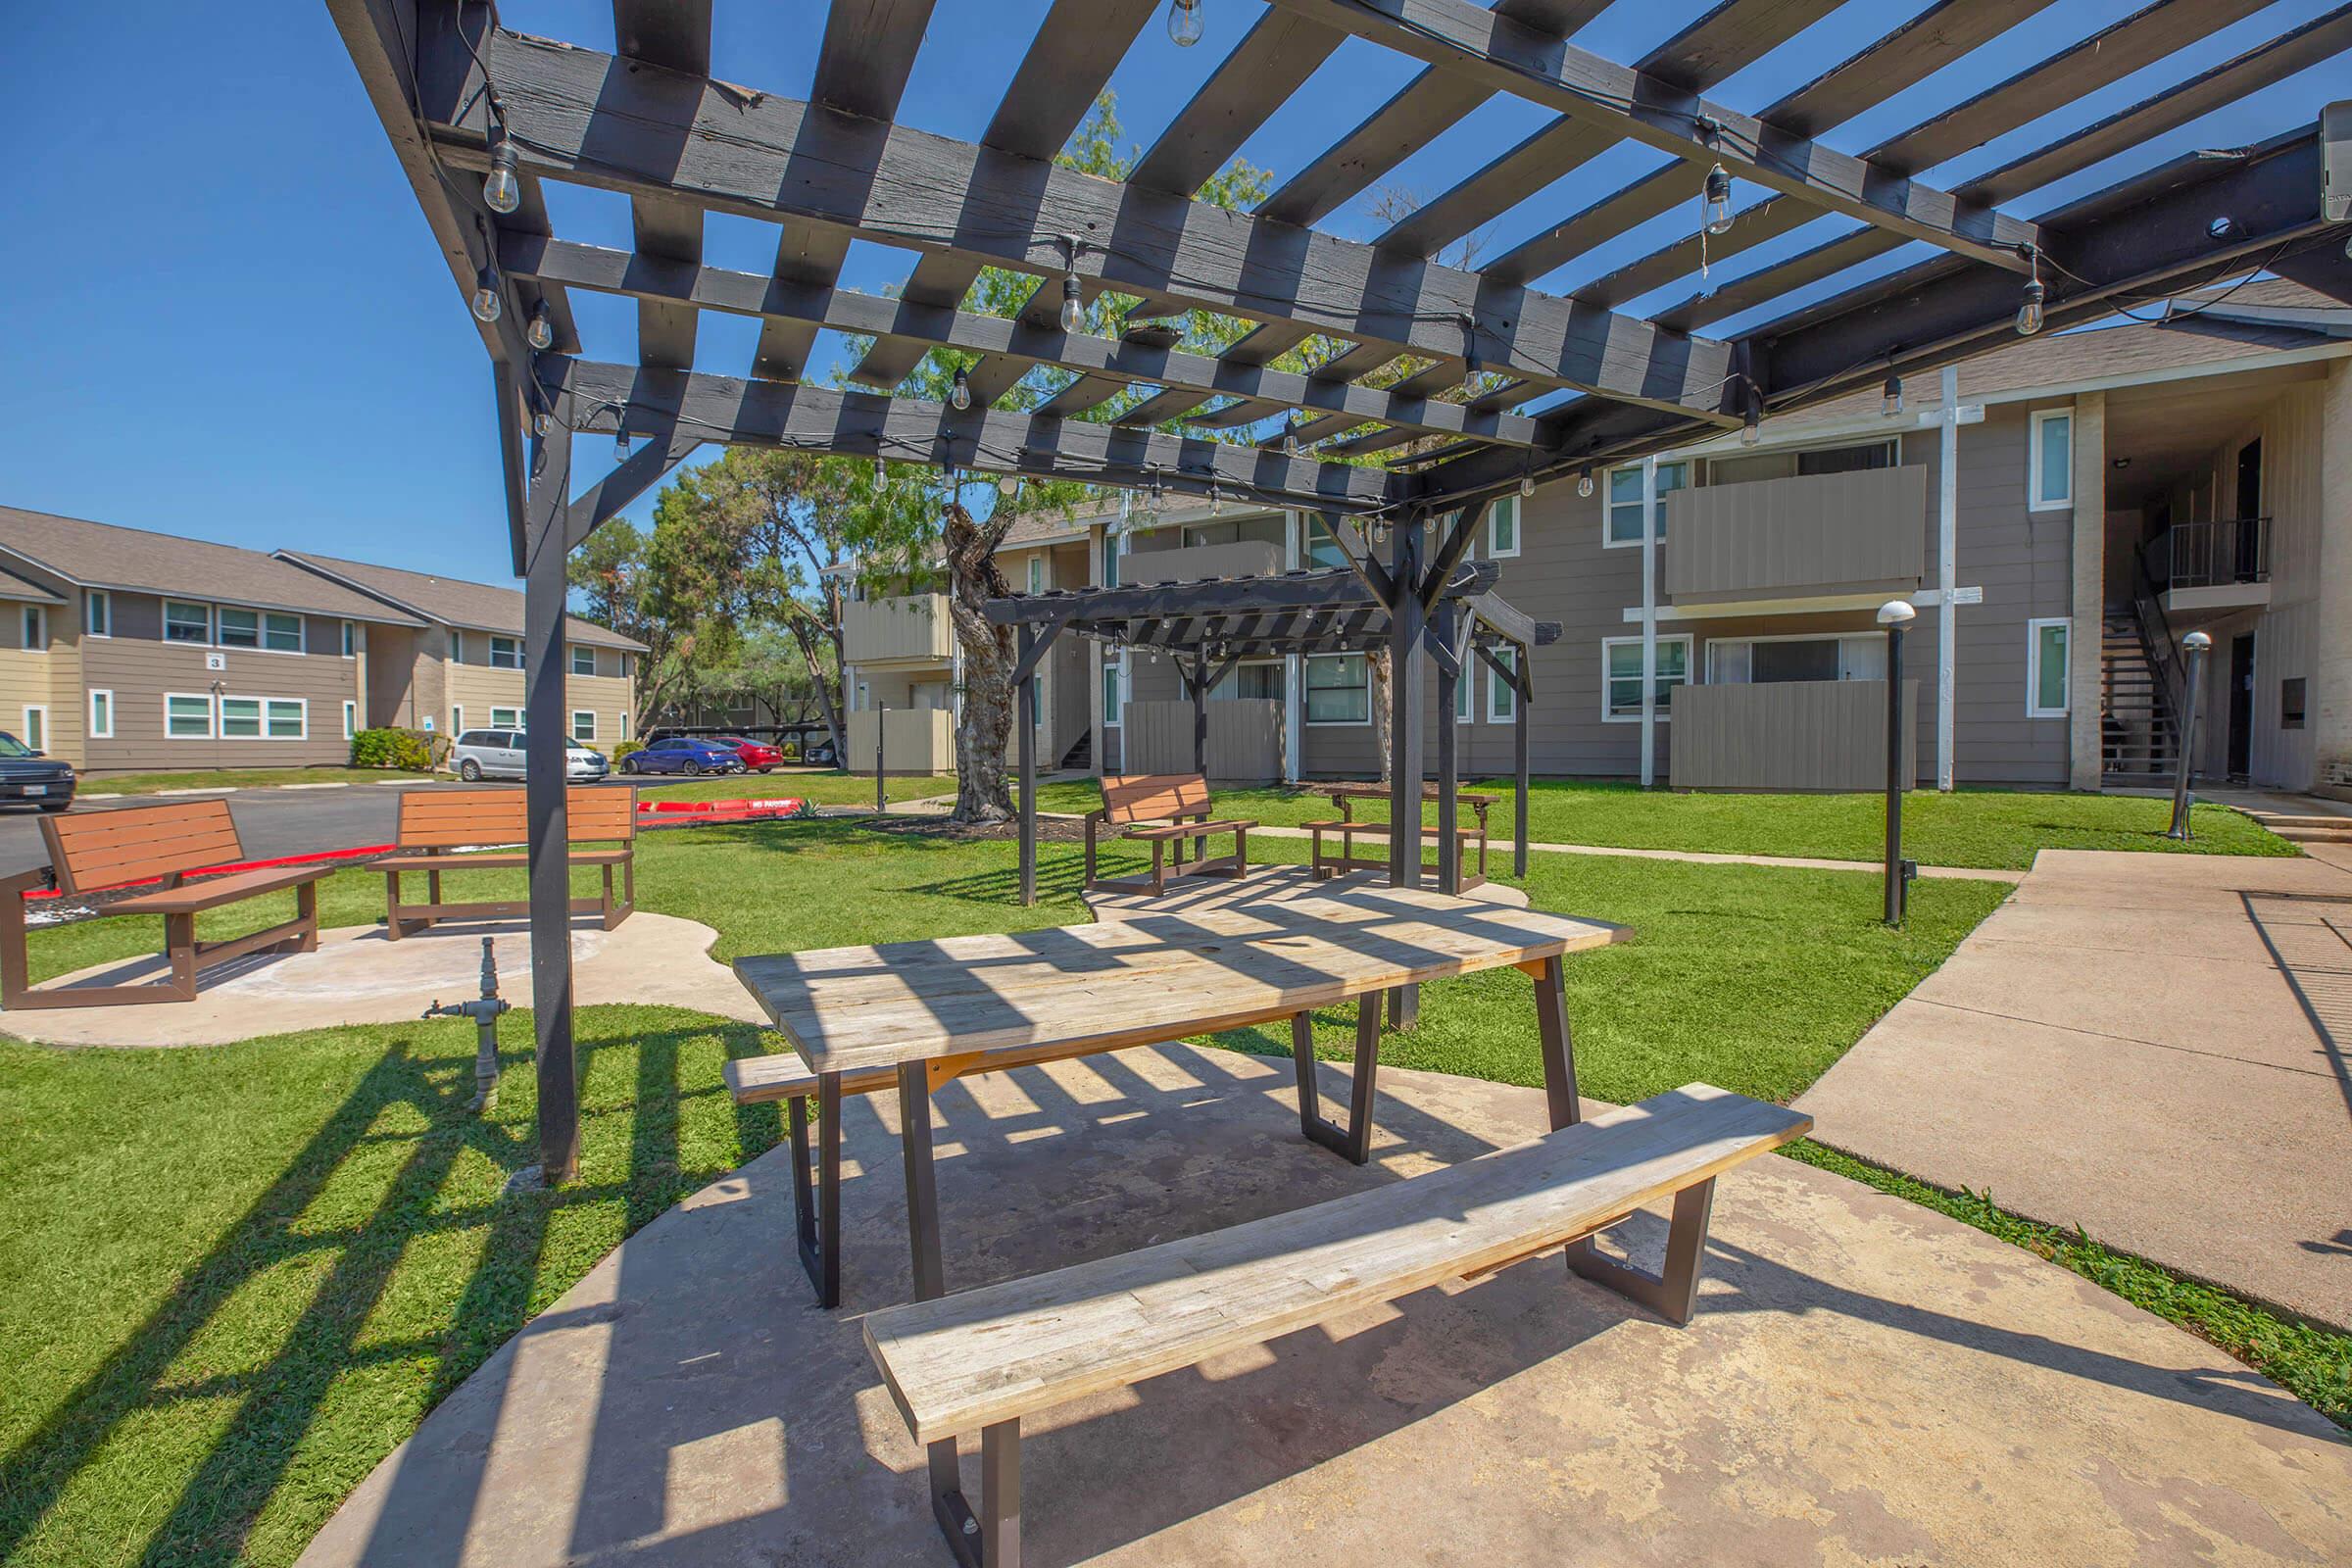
(1113, 547)
(186, 622)
(1852, 458)
(1339, 688)
(627, 664)
(2290, 703)
(288, 719)
(1112, 672)
(624, 726)
(1322, 549)
(187, 717)
(1036, 575)
(506, 717)
(506, 652)
(1624, 522)
(584, 660)
(1244, 681)
(36, 628)
(240, 628)
(351, 715)
(2045, 667)
(1464, 690)
(350, 639)
(1503, 697)
(36, 727)
(1766, 661)
(102, 715)
(456, 720)
(583, 724)
(283, 634)
(97, 614)
(241, 718)
(2050, 460)
(1621, 667)
(1503, 528)
(253, 628)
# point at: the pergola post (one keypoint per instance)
(545, 591)
(1407, 619)
(1450, 684)
(1027, 718)
(1200, 685)
(1523, 688)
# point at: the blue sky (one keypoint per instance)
(225, 319)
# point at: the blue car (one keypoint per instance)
(682, 754)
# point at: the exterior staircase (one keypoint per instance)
(1080, 758)
(2306, 829)
(2139, 733)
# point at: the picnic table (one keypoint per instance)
(916, 1015)
(1343, 793)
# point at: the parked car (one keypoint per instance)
(479, 754)
(758, 756)
(682, 754)
(29, 775)
(819, 753)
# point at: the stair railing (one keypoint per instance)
(2156, 641)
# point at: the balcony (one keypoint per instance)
(910, 628)
(1811, 536)
(2217, 566)
(1802, 735)
(1250, 558)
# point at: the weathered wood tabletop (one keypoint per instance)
(1143, 979)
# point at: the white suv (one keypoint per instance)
(498, 754)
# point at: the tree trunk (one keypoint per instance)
(983, 780)
(1377, 663)
(805, 633)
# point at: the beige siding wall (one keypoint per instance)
(471, 687)
(139, 667)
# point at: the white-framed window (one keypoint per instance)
(1766, 661)
(506, 652)
(1259, 679)
(583, 723)
(1621, 675)
(240, 718)
(273, 630)
(239, 628)
(350, 639)
(37, 727)
(584, 660)
(187, 716)
(351, 718)
(102, 714)
(1112, 672)
(1036, 575)
(97, 613)
(457, 718)
(1794, 463)
(2050, 460)
(185, 621)
(286, 718)
(1339, 688)
(2046, 650)
(1503, 697)
(628, 663)
(35, 627)
(624, 726)
(1621, 515)
(1323, 550)
(283, 634)
(506, 719)
(1503, 528)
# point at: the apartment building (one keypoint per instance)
(456, 661)
(2109, 491)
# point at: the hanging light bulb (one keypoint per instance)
(1526, 484)
(2029, 310)
(881, 474)
(1891, 401)
(1073, 302)
(620, 443)
(960, 394)
(1719, 201)
(1216, 502)
(543, 423)
(502, 187)
(1752, 430)
(1008, 486)
(1289, 437)
(1469, 377)
(541, 332)
(486, 301)
(1184, 23)
(1584, 483)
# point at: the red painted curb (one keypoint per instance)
(788, 802)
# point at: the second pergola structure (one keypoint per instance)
(1426, 598)
(1503, 385)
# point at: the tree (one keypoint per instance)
(623, 588)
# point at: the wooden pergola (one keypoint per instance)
(1504, 384)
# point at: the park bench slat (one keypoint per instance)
(436, 825)
(962, 1362)
(213, 892)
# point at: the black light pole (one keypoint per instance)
(881, 740)
(2193, 649)
(1895, 614)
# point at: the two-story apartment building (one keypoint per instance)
(457, 661)
(2111, 490)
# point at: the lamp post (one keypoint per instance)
(2193, 649)
(1895, 614)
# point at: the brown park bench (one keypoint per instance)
(980, 1361)
(437, 826)
(1165, 809)
(94, 849)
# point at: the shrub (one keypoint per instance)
(413, 750)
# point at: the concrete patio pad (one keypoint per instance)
(2151, 1046)
(1866, 1380)
(357, 976)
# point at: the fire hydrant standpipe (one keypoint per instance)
(484, 1013)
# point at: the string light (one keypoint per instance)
(960, 394)
(486, 301)
(1216, 500)
(543, 423)
(881, 474)
(1290, 436)
(541, 332)
(1526, 484)
(502, 187)
(1751, 430)
(1008, 486)
(1184, 23)
(1891, 401)
(620, 442)
(1584, 482)
(1719, 201)
(1469, 377)
(2029, 310)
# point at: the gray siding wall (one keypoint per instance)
(139, 667)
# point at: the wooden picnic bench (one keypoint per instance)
(437, 826)
(1345, 792)
(90, 851)
(1166, 811)
(981, 1361)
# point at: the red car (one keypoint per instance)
(758, 756)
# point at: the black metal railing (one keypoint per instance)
(2208, 554)
(2157, 643)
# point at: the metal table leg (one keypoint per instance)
(1560, 1050)
(968, 1537)
(1354, 1142)
(816, 1213)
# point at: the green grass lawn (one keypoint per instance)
(821, 785)
(242, 779)
(2000, 828)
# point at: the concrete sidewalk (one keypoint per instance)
(2151, 1046)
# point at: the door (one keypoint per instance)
(2245, 540)
(2241, 705)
